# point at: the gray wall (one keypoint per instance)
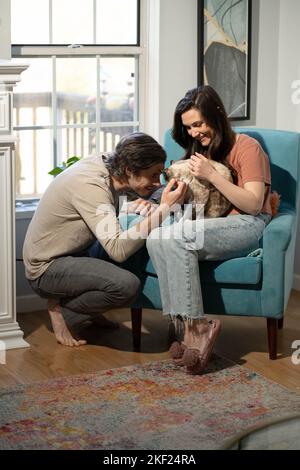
(23, 287)
(178, 59)
(265, 42)
(288, 113)
(178, 56)
(27, 300)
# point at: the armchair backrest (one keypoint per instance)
(283, 149)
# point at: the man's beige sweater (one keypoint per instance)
(79, 206)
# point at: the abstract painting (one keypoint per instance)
(224, 40)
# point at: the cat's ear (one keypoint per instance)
(165, 174)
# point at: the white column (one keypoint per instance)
(10, 332)
(5, 41)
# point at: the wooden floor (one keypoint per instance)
(242, 339)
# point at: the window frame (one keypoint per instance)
(53, 51)
(138, 31)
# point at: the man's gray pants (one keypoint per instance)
(86, 287)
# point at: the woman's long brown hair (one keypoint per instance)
(206, 100)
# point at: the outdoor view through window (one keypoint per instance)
(79, 94)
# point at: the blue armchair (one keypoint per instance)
(253, 285)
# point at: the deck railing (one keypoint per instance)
(74, 131)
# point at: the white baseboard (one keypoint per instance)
(296, 283)
(30, 303)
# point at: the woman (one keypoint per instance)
(79, 207)
(202, 128)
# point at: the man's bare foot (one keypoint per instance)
(103, 322)
(61, 331)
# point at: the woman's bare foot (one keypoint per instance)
(61, 331)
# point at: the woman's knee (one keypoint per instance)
(160, 237)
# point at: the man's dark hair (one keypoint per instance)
(136, 152)
(206, 100)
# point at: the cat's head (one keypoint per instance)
(180, 171)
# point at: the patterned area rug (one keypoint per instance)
(152, 406)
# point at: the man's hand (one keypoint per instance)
(200, 167)
(140, 206)
(175, 196)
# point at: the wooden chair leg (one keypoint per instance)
(280, 324)
(272, 337)
(136, 321)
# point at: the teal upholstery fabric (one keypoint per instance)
(246, 270)
(254, 285)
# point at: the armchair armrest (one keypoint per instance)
(277, 264)
(278, 233)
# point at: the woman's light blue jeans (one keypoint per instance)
(176, 249)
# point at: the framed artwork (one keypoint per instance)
(224, 43)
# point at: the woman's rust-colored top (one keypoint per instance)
(251, 164)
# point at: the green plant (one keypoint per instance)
(64, 166)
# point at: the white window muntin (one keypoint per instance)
(85, 51)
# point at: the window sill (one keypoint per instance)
(25, 210)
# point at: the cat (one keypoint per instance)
(201, 191)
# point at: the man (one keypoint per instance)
(79, 207)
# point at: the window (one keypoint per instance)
(80, 93)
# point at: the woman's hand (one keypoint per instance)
(200, 167)
(176, 196)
